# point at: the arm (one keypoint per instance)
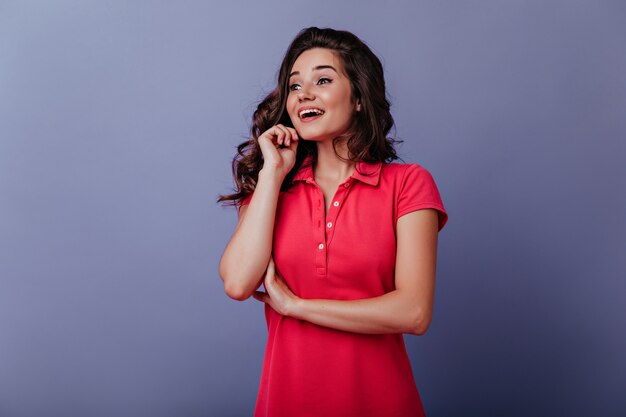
(247, 254)
(407, 309)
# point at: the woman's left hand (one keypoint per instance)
(278, 295)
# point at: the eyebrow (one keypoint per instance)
(319, 67)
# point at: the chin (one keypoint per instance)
(313, 135)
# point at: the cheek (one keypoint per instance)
(339, 100)
(291, 107)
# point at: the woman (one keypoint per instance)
(343, 240)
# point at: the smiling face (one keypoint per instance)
(320, 101)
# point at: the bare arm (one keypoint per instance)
(407, 309)
(248, 252)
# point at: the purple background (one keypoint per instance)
(117, 124)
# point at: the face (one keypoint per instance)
(320, 96)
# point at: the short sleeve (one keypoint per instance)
(419, 191)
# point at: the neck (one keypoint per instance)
(329, 166)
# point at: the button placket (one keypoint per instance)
(320, 232)
(333, 211)
(326, 225)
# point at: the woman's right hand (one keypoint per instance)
(278, 145)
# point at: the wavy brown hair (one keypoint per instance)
(366, 139)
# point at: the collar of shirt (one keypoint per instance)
(364, 172)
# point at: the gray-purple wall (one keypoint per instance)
(118, 121)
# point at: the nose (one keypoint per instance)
(304, 94)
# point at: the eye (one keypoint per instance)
(294, 87)
(324, 80)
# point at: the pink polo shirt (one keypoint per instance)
(349, 254)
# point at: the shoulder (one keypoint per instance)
(414, 188)
(401, 171)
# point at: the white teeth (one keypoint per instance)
(313, 111)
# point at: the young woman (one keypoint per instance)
(344, 241)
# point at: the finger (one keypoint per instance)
(286, 130)
(269, 137)
(273, 134)
(293, 133)
(270, 133)
(279, 282)
(285, 134)
(274, 268)
(293, 142)
(287, 138)
(280, 135)
(261, 296)
(271, 270)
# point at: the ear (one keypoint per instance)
(358, 106)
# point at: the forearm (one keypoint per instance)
(247, 254)
(394, 312)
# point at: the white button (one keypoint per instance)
(346, 185)
(321, 246)
(329, 225)
(336, 204)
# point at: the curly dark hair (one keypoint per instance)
(366, 139)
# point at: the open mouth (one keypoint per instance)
(308, 114)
